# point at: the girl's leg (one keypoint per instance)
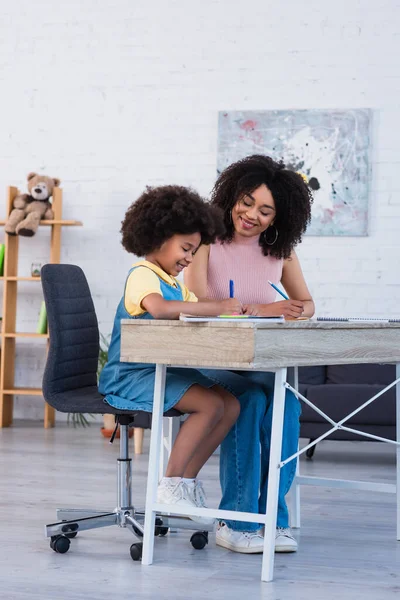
(213, 440)
(206, 409)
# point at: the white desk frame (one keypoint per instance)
(258, 347)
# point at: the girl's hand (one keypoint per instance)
(230, 306)
(290, 309)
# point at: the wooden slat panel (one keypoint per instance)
(241, 345)
(316, 346)
(187, 346)
(25, 391)
(27, 335)
(66, 223)
(23, 278)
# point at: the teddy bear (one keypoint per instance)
(30, 208)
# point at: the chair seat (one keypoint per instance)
(89, 400)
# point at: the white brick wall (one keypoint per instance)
(113, 95)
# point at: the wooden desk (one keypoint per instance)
(260, 347)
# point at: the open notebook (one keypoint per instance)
(221, 318)
(359, 319)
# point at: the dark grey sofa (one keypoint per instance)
(340, 389)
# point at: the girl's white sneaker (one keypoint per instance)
(178, 494)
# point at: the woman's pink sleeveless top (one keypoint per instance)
(242, 261)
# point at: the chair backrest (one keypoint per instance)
(74, 334)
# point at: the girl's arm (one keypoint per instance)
(159, 308)
(300, 304)
(195, 275)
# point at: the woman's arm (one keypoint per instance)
(195, 275)
(294, 283)
(300, 304)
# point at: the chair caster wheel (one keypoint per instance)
(161, 531)
(60, 544)
(199, 540)
(70, 531)
(136, 551)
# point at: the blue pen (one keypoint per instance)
(231, 289)
(278, 290)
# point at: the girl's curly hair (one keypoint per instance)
(291, 194)
(161, 212)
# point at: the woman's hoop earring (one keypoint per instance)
(276, 236)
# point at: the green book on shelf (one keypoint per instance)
(42, 322)
(2, 249)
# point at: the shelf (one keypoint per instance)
(22, 278)
(24, 391)
(26, 335)
(10, 337)
(56, 222)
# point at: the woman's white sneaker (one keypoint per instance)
(247, 542)
(178, 494)
(284, 540)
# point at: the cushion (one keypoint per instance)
(337, 401)
(365, 373)
(312, 375)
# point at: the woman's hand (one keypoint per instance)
(253, 310)
(290, 309)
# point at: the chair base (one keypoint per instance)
(71, 521)
(74, 520)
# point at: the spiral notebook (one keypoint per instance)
(230, 318)
(359, 319)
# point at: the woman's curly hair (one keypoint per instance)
(291, 194)
(161, 212)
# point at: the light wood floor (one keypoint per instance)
(347, 540)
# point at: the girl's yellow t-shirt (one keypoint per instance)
(145, 280)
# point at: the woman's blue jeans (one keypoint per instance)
(243, 468)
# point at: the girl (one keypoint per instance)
(266, 210)
(166, 226)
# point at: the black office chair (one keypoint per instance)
(70, 386)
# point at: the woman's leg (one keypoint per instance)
(240, 450)
(206, 420)
(290, 440)
(215, 437)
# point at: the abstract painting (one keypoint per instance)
(330, 147)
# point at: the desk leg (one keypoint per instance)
(154, 463)
(294, 493)
(267, 572)
(398, 449)
(295, 499)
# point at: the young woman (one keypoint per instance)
(266, 210)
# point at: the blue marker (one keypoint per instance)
(278, 290)
(231, 289)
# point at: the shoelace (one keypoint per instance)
(200, 495)
(249, 535)
(285, 531)
(178, 490)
